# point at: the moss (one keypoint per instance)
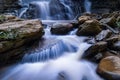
(8, 34)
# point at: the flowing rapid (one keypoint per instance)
(60, 59)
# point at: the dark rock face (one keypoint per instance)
(9, 6)
(61, 28)
(109, 68)
(105, 6)
(89, 28)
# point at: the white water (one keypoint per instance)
(87, 5)
(43, 10)
(67, 65)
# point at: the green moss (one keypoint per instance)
(8, 34)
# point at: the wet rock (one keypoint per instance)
(61, 28)
(89, 28)
(110, 21)
(109, 68)
(82, 19)
(104, 34)
(95, 49)
(16, 34)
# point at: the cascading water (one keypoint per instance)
(65, 63)
(87, 5)
(47, 10)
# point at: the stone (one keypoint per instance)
(116, 46)
(61, 28)
(110, 21)
(112, 40)
(104, 34)
(89, 28)
(95, 49)
(14, 35)
(82, 19)
(109, 68)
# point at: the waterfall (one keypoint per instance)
(53, 51)
(87, 5)
(60, 59)
(47, 10)
(66, 67)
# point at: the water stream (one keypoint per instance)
(59, 60)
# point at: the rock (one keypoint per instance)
(116, 46)
(8, 18)
(104, 34)
(95, 49)
(110, 41)
(109, 68)
(16, 34)
(110, 21)
(82, 19)
(61, 28)
(89, 28)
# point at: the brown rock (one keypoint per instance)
(13, 35)
(109, 68)
(82, 19)
(89, 28)
(61, 28)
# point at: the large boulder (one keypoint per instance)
(89, 28)
(61, 28)
(16, 34)
(109, 68)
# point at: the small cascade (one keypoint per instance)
(43, 11)
(67, 65)
(55, 50)
(87, 5)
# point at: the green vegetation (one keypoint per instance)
(8, 34)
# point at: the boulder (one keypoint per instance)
(89, 28)
(16, 34)
(83, 18)
(109, 68)
(104, 34)
(61, 28)
(95, 49)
